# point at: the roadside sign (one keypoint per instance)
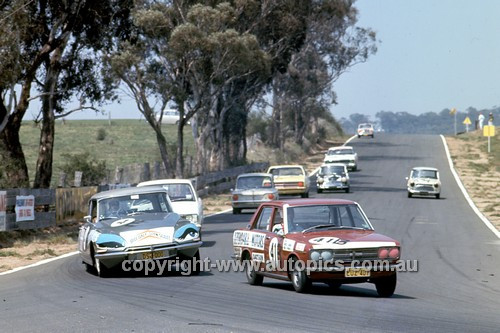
(488, 130)
(453, 111)
(467, 121)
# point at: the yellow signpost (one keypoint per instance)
(489, 131)
(467, 122)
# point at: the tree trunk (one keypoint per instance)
(162, 144)
(13, 172)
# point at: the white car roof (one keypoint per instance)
(340, 147)
(165, 182)
(333, 164)
(425, 168)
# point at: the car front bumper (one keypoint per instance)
(159, 251)
(430, 190)
(333, 186)
(248, 203)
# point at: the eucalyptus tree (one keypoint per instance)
(332, 45)
(53, 43)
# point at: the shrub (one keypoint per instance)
(101, 134)
(93, 171)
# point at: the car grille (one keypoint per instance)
(244, 197)
(286, 184)
(424, 188)
(356, 254)
(149, 247)
(341, 161)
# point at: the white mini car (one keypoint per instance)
(333, 176)
(424, 181)
(342, 154)
(365, 130)
(183, 197)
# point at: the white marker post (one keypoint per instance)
(453, 112)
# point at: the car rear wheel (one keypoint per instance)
(386, 286)
(305, 195)
(252, 277)
(300, 281)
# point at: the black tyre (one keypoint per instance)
(386, 286)
(300, 281)
(347, 190)
(409, 194)
(236, 210)
(438, 196)
(195, 264)
(334, 285)
(359, 136)
(252, 277)
(320, 190)
(305, 195)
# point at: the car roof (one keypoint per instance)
(425, 168)
(128, 191)
(333, 164)
(253, 174)
(310, 202)
(164, 182)
(286, 166)
(365, 124)
(340, 147)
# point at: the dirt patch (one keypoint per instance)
(479, 171)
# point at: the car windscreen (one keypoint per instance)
(287, 172)
(424, 174)
(340, 152)
(331, 169)
(365, 126)
(179, 192)
(316, 217)
(155, 202)
(244, 183)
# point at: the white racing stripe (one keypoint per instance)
(464, 191)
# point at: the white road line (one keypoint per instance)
(350, 139)
(464, 191)
(221, 212)
(45, 261)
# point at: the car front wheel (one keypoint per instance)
(386, 286)
(438, 196)
(236, 210)
(252, 277)
(300, 281)
(409, 194)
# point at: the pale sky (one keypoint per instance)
(433, 54)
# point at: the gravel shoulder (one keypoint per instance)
(479, 171)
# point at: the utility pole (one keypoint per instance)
(453, 112)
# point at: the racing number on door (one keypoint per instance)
(273, 252)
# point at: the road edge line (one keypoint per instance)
(41, 262)
(465, 193)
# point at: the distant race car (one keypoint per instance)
(333, 176)
(290, 179)
(135, 224)
(316, 240)
(183, 197)
(424, 181)
(342, 154)
(251, 190)
(365, 130)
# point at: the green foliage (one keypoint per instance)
(93, 171)
(101, 134)
(258, 123)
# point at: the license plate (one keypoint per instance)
(356, 272)
(153, 255)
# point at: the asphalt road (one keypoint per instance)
(456, 288)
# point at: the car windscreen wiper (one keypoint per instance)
(319, 226)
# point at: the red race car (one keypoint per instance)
(323, 240)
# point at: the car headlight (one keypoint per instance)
(186, 232)
(320, 180)
(107, 242)
(317, 255)
(436, 185)
(191, 217)
(343, 180)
